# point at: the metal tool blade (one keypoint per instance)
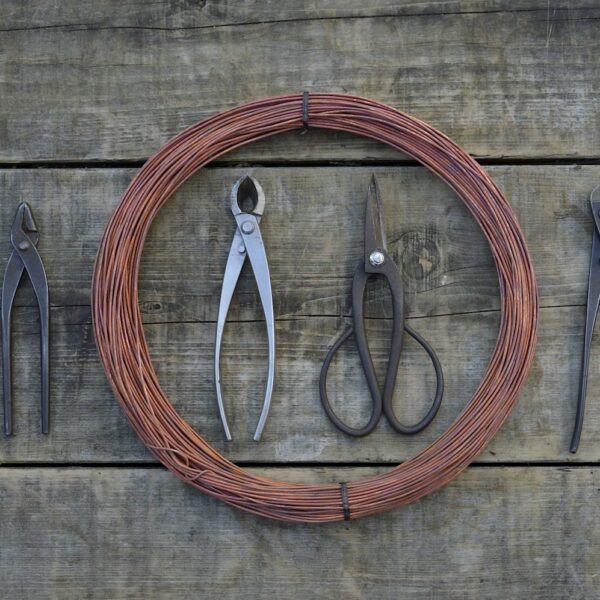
(375, 250)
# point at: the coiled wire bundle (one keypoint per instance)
(126, 359)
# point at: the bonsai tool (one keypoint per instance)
(593, 301)
(25, 257)
(377, 261)
(247, 206)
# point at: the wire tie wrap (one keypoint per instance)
(345, 502)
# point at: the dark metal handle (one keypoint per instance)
(390, 382)
(389, 270)
(358, 289)
(382, 403)
(593, 300)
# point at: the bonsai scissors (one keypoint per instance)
(377, 261)
(24, 237)
(247, 206)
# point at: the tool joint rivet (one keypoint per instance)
(376, 258)
(247, 226)
(24, 245)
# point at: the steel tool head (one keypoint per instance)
(247, 196)
(375, 241)
(24, 219)
(24, 227)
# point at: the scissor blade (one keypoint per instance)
(235, 262)
(12, 277)
(248, 224)
(374, 222)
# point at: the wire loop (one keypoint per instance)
(126, 359)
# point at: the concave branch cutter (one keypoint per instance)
(593, 301)
(247, 206)
(24, 237)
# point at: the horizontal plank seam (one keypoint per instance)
(298, 317)
(299, 164)
(292, 465)
(308, 19)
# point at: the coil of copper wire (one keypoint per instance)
(126, 359)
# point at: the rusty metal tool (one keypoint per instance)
(593, 301)
(377, 261)
(25, 257)
(247, 206)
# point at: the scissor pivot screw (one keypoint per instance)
(24, 245)
(376, 258)
(247, 226)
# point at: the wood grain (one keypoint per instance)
(114, 533)
(86, 82)
(313, 230)
(170, 14)
(89, 426)
(117, 87)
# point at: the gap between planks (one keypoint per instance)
(137, 163)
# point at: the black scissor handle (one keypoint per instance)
(359, 284)
(377, 404)
(382, 403)
(390, 382)
(391, 273)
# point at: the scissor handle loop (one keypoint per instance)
(382, 402)
(377, 405)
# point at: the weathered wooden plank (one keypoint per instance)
(313, 230)
(501, 86)
(168, 14)
(88, 425)
(113, 533)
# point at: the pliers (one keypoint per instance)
(247, 206)
(593, 301)
(24, 237)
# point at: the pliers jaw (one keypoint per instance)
(247, 197)
(23, 230)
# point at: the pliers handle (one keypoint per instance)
(593, 301)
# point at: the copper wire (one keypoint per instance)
(126, 359)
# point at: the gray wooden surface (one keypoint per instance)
(90, 89)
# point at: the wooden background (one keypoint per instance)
(90, 88)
